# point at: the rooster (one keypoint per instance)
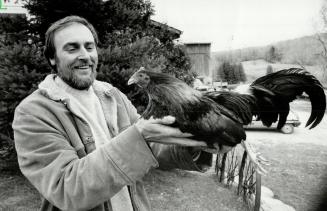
(218, 117)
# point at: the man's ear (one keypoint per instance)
(52, 62)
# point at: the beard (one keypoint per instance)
(77, 83)
(70, 75)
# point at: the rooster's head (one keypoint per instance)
(163, 85)
(140, 78)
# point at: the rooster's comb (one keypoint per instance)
(141, 68)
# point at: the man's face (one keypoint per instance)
(76, 56)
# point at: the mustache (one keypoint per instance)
(83, 62)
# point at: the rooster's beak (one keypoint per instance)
(132, 80)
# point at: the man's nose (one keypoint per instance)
(83, 54)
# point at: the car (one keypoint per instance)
(202, 88)
(291, 122)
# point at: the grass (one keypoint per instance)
(297, 174)
(17, 193)
(189, 191)
(167, 190)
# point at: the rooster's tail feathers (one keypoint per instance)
(285, 85)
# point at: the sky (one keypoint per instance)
(235, 24)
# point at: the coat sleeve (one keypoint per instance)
(172, 156)
(52, 165)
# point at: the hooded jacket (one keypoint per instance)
(56, 150)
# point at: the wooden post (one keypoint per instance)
(240, 173)
(217, 166)
(257, 202)
(223, 164)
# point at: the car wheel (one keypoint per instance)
(287, 129)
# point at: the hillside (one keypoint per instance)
(304, 50)
(257, 68)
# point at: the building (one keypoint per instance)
(199, 54)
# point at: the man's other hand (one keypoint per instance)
(158, 130)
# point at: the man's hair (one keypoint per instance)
(49, 50)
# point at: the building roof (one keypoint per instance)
(173, 30)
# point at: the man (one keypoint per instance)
(80, 141)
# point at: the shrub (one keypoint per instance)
(21, 69)
(269, 69)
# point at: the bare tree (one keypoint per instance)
(320, 38)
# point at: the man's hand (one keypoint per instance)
(158, 130)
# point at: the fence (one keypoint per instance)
(235, 170)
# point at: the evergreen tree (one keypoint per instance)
(223, 71)
(22, 67)
(239, 70)
(273, 55)
(13, 28)
(106, 16)
(231, 73)
(243, 75)
(19, 61)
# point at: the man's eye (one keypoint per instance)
(71, 49)
(90, 47)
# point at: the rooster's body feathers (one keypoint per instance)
(195, 112)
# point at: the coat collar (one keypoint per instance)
(49, 88)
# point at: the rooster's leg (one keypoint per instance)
(255, 157)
